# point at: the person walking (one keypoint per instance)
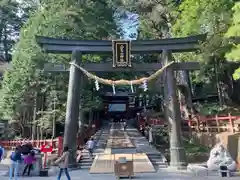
(63, 163)
(124, 125)
(142, 130)
(2, 153)
(79, 153)
(16, 159)
(29, 160)
(150, 136)
(90, 146)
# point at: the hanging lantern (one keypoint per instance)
(140, 100)
(132, 87)
(113, 87)
(96, 84)
(145, 87)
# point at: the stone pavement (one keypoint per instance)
(161, 174)
(105, 163)
(142, 146)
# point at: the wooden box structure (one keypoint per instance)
(124, 169)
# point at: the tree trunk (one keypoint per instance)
(185, 95)
(2, 25)
(54, 116)
(5, 43)
(34, 119)
(219, 88)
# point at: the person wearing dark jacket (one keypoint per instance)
(26, 148)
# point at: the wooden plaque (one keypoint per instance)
(121, 53)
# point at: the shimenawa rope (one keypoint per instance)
(122, 81)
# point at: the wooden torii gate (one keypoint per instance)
(164, 46)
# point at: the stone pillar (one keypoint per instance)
(72, 109)
(177, 151)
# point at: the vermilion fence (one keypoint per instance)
(204, 123)
(56, 143)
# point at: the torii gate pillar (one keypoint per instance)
(72, 109)
(177, 152)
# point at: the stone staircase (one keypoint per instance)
(101, 137)
(158, 160)
(86, 162)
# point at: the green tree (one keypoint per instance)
(62, 19)
(213, 18)
(13, 14)
(234, 32)
(162, 19)
(155, 21)
(9, 21)
(155, 18)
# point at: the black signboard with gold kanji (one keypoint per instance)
(121, 53)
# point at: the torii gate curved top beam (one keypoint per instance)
(66, 46)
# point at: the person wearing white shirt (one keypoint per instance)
(90, 145)
(124, 125)
(150, 136)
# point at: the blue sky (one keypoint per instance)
(129, 26)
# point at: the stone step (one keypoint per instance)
(101, 137)
(86, 156)
(158, 160)
(86, 164)
(156, 157)
(86, 160)
(85, 167)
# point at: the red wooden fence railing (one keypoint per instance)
(57, 143)
(208, 123)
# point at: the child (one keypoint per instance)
(29, 160)
(16, 159)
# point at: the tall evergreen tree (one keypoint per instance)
(13, 14)
(234, 32)
(63, 19)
